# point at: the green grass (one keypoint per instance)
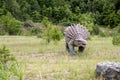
(52, 62)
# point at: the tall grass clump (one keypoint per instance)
(8, 65)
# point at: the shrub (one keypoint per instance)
(5, 56)
(11, 25)
(31, 28)
(34, 31)
(50, 31)
(116, 39)
(96, 30)
(87, 20)
(103, 34)
(8, 65)
(2, 30)
(106, 32)
(118, 28)
(28, 24)
(55, 33)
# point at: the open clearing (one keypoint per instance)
(52, 62)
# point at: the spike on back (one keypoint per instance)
(76, 32)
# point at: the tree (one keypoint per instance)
(50, 32)
(87, 20)
(11, 25)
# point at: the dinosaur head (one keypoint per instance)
(80, 42)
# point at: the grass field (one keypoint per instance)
(52, 62)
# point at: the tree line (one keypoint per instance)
(65, 12)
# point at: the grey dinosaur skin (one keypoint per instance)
(76, 36)
(70, 44)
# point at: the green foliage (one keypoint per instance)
(96, 30)
(55, 33)
(55, 60)
(116, 39)
(46, 29)
(118, 28)
(5, 55)
(106, 32)
(10, 24)
(50, 32)
(18, 70)
(8, 65)
(66, 12)
(103, 34)
(87, 20)
(63, 11)
(116, 36)
(46, 22)
(112, 19)
(36, 16)
(2, 30)
(110, 14)
(31, 28)
(34, 30)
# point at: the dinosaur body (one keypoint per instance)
(76, 36)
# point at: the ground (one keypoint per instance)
(51, 61)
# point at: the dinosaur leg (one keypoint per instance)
(67, 48)
(81, 49)
(71, 49)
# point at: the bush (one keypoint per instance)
(2, 30)
(10, 24)
(34, 31)
(87, 20)
(8, 65)
(103, 34)
(96, 30)
(55, 33)
(116, 39)
(118, 28)
(106, 32)
(50, 31)
(31, 28)
(5, 56)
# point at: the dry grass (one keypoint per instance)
(52, 62)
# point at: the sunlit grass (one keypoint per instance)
(52, 62)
